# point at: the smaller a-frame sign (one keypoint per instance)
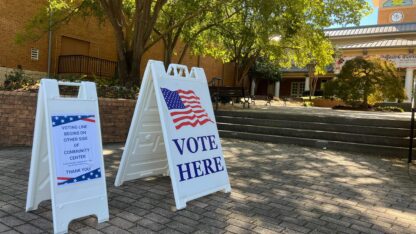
(173, 132)
(67, 164)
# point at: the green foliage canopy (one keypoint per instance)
(266, 69)
(366, 81)
(287, 32)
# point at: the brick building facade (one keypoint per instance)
(81, 36)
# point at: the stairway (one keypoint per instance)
(373, 136)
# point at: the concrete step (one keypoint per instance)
(327, 144)
(347, 120)
(330, 127)
(317, 134)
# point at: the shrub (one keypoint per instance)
(117, 92)
(329, 102)
(307, 104)
(389, 109)
(365, 81)
(18, 80)
(106, 87)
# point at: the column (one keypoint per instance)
(253, 86)
(307, 84)
(408, 85)
(277, 89)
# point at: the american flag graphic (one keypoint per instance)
(185, 108)
(94, 174)
(64, 119)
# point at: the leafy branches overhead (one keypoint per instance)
(137, 24)
(53, 14)
(239, 31)
(289, 32)
(266, 70)
(191, 18)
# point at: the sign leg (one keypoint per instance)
(227, 189)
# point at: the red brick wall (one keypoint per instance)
(14, 18)
(18, 110)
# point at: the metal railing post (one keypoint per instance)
(412, 129)
(412, 123)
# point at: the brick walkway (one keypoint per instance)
(276, 188)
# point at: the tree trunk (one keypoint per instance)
(236, 70)
(167, 58)
(365, 100)
(122, 70)
(243, 73)
(128, 69)
(134, 73)
(313, 81)
(184, 50)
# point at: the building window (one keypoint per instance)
(34, 54)
(297, 88)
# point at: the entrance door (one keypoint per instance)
(297, 88)
(262, 86)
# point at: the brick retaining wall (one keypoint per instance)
(18, 110)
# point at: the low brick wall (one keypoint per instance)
(18, 110)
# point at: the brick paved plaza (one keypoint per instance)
(276, 189)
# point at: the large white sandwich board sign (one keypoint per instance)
(174, 132)
(67, 164)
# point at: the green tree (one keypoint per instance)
(287, 32)
(133, 23)
(266, 69)
(178, 13)
(366, 81)
(236, 31)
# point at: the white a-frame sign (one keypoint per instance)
(67, 164)
(173, 132)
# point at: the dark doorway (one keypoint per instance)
(262, 86)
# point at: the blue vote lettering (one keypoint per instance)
(195, 144)
(199, 168)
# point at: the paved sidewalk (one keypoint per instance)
(276, 189)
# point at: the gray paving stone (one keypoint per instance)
(129, 216)
(365, 229)
(10, 232)
(141, 230)
(235, 229)
(180, 227)
(88, 230)
(29, 229)
(42, 223)
(170, 231)
(11, 221)
(114, 230)
(157, 218)
(2, 213)
(154, 226)
(25, 216)
(276, 188)
(185, 220)
(4, 228)
(121, 223)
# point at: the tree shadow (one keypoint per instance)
(275, 188)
